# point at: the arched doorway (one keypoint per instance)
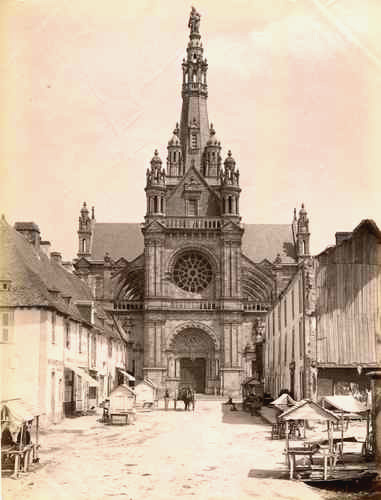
(195, 359)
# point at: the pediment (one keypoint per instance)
(155, 227)
(82, 263)
(231, 227)
(192, 181)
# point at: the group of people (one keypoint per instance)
(185, 394)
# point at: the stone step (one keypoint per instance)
(210, 397)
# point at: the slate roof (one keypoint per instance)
(118, 239)
(260, 241)
(34, 277)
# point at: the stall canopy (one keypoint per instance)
(15, 412)
(345, 404)
(283, 402)
(81, 372)
(129, 377)
(308, 410)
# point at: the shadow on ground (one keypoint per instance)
(239, 416)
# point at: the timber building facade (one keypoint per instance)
(323, 330)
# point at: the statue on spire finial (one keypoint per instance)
(194, 21)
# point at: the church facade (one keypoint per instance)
(190, 287)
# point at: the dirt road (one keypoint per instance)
(208, 454)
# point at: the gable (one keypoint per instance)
(193, 186)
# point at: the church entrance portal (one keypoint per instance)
(193, 372)
(193, 360)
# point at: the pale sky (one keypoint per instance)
(89, 88)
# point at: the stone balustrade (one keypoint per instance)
(192, 223)
(189, 305)
(129, 305)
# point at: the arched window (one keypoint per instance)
(83, 246)
(174, 156)
(155, 205)
(162, 205)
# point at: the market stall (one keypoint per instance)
(308, 410)
(146, 394)
(120, 405)
(19, 436)
(278, 429)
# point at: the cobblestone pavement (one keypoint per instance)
(207, 454)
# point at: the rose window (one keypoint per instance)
(192, 272)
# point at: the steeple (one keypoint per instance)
(194, 124)
(155, 187)
(302, 233)
(230, 189)
(85, 231)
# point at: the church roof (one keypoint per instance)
(260, 241)
(123, 239)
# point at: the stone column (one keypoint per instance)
(149, 343)
(227, 345)
(171, 366)
(234, 344)
(158, 335)
(177, 367)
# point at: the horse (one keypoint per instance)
(186, 394)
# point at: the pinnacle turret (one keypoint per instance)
(194, 125)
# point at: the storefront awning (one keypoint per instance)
(81, 372)
(129, 377)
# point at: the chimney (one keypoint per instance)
(68, 265)
(45, 247)
(30, 231)
(56, 257)
(342, 236)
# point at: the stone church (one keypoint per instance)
(191, 285)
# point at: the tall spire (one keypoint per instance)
(194, 125)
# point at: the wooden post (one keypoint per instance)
(37, 435)
(17, 465)
(287, 446)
